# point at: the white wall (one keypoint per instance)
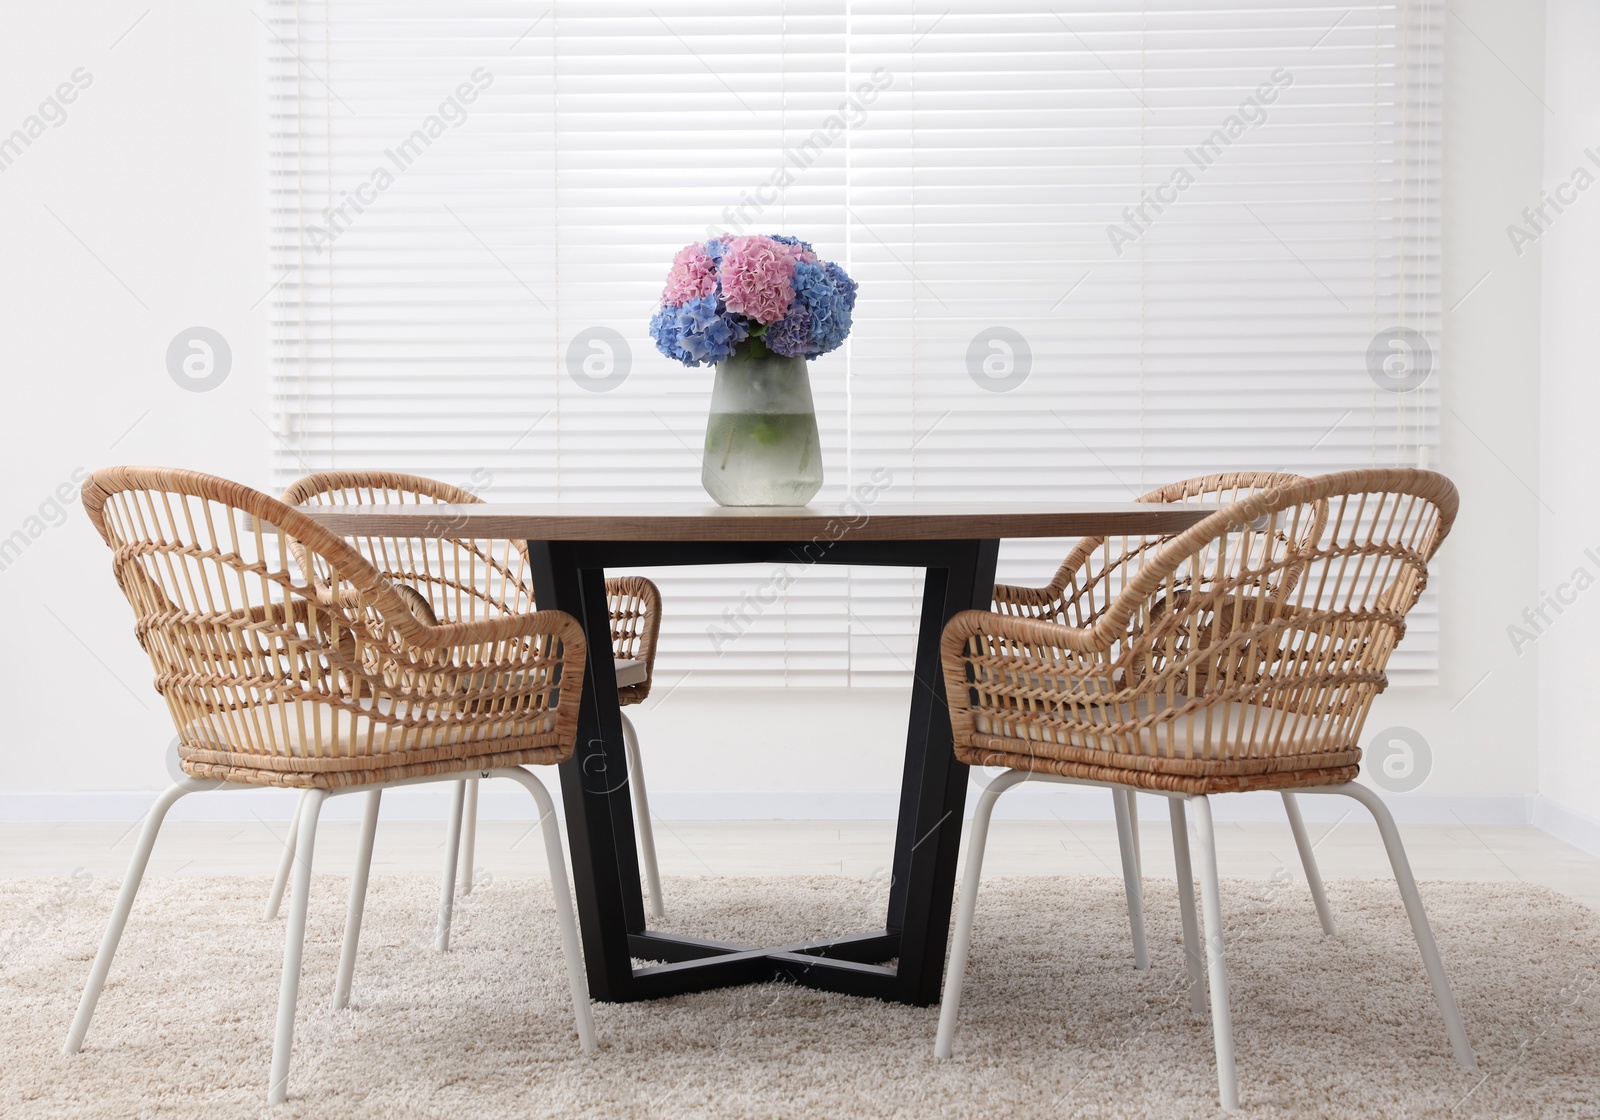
(159, 169)
(1569, 463)
(141, 215)
(1480, 721)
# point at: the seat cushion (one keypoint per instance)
(631, 672)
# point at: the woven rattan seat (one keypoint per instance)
(1085, 584)
(1240, 654)
(287, 659)
(227, 589)
(1282, 609)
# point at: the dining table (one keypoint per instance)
(570, 547)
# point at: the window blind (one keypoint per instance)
(1099, 249)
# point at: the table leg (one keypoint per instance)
(594, 782)
(933, 790)
(960, 576)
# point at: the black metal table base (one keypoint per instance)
(847, 964)
(570, 576)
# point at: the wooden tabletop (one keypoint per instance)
(879, 521)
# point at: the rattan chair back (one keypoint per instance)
(1096, 569)
(1252, 643)
(457, 579)
(445, 577)
(273, 677)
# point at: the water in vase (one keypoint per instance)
(762, 446)
(762, 458)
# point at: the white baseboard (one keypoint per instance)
(503, 801)
(1564, 824)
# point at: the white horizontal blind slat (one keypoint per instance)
(973, 165)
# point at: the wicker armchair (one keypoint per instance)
(459, 580)
(1241, 654)
(1085, 585)
(286, 659)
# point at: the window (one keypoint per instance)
(1098, 251)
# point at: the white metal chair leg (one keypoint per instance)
(285, 861)
(452, 850)
(1191, 925)
(1216, 965)
(565, 918)
(469, 835)
(119, 912)
(1128, 842)
(1133, 827)
(641, 814)
(1308, 860)
(1414, 911)
(294, 944)
(358, 901)
(956, 974)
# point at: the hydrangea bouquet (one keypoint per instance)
(771, 293)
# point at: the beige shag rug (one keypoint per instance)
(1056, 1022)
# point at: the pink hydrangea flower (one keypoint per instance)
(758, 277)
(693, 274)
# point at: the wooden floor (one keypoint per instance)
(859, 849)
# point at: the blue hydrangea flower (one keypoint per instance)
(791, 335)
(842, 281)
(784, 239)
(664, 329)
(699, 332)
(830, 295)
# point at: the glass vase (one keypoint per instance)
(762, 447)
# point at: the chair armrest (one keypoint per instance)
(994, 662)
(515, 663)
(1031, 598)
(463, 636)
(1023, 633)
(1056, 599)
(417, 603)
